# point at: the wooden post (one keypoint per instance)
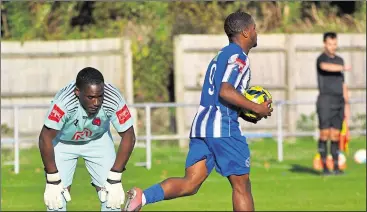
(179, 90)
(291, 77)
(127, 79)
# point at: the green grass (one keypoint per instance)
(290, 185)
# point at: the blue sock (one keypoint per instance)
(154, 194)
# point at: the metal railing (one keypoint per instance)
(280, 134)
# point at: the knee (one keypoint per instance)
(324, 135)
(335, 135)
(241, 186)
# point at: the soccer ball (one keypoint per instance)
(258, 95)
(360, 156)
(342, 162)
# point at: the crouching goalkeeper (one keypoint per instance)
(78, 125)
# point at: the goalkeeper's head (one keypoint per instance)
(90, 89)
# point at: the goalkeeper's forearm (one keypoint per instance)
(125, 149)
(47, 150)
(231, 95)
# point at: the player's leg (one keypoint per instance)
(324, 116)
(336, 123)
(99, 156)
(66, 157)
(242, 199)
(232, 157)
(199, 163)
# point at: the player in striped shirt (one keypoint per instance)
(215, 137)
(78, 125)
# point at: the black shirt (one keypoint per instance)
(330, 83)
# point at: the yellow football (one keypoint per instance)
(258, 95)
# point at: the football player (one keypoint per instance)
(215, 138)
(78, 125)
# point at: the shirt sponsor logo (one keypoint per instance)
(123, 115)
(56, 114)
(86, 133)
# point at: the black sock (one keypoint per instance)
(323, 152)
(334, 148)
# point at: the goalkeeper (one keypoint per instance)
(215, 137)
(78, 125)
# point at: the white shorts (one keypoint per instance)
(99, 156)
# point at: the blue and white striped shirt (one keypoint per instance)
(215, 117)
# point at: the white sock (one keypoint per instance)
(143, 200)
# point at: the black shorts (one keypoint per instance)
(330, 111)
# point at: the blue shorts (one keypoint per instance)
(229, 155)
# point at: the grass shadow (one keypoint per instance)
(296, 168)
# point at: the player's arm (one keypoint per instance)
(54, 187)
(331, 67)
(54, 121)
(346, 100)
(47, 150)
(229, 94)
(125, 149)
(123, 123)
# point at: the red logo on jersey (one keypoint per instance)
(96, 121)
(83, 134)
(240, 63)
(56, 114)
(123, 115)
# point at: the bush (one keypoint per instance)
(152, 25)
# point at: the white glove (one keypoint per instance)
(113, 192)
(55, 191)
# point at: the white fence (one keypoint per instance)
(284, 64)
(41, 68)
(279, 134)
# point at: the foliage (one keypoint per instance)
(359, 120)
(6, 130)
(152, 25)
(307, 122)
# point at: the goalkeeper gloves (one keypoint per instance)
(55, 191)
(113, 192)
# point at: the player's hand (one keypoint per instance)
(113, 192)
(55, 191)
(249, 119)
(347, 68)
(264, 110)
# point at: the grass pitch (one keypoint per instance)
(289, 185)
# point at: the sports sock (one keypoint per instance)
(323, 152)
(334, 148)
(104, 205)
(143, 200)
(153, 194)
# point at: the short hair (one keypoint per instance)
(236, 22)
(88, 76)
(331, 35)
